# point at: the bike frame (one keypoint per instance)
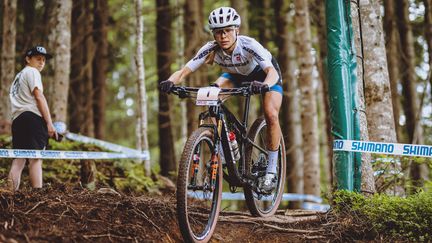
(234, 176)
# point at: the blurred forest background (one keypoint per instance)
(92, 81)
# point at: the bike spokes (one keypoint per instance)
(199, 188)
(260, 202)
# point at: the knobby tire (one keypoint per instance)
(186, 211)
(252, 200)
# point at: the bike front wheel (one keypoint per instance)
(262, 204)
(199, 187)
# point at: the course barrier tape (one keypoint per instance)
(57, 154)
(383, 148)
(313, 204)
(392, 172)
(107, 145)
(120, 152)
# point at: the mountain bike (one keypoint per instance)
(209, 156)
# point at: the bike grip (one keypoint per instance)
(265, 89)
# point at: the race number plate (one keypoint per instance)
(208, 96)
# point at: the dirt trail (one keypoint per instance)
(75, 215)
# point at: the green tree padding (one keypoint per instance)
(341, 69)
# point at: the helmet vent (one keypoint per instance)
(223, 17)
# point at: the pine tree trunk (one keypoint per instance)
(75, 109)
(142, 95)
(100, 65)
(88, 71)
(367, 174)
(393, 57)
(291, 124)
(308, 99)
(377, 84)
(80, 106)
(166, 139)
(80, 103)
(418, 172)
(60, 45)
(28, 7)
(193, 27)
(326, 137)
(7, 62)
(264, 22)
(428, 34)
(241, 6)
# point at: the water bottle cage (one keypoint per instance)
(233, 145)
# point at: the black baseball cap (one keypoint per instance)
(38, 50)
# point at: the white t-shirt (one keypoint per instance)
(247, 54)
(21, 92)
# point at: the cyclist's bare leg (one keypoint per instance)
(272, 103)
(224, 83)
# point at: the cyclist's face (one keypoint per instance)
(225, 37)
(36, 61)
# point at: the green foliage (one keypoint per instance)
(389, 175)
(122, 175)
(135, 179)
(407, 218)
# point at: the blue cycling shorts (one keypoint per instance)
(256, 75)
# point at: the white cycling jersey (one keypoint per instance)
(247, 54)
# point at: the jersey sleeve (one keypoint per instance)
(34, 80)
(261, 55)
(201, 56)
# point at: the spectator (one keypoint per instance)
(31, 118)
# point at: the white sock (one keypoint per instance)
(273, 159)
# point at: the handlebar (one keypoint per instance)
(188, 92)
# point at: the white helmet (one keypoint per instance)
(223, 17)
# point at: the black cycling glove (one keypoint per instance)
(259, 87)
(166, 86)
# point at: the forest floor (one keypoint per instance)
(65, 214)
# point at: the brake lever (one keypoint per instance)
(246, 91)
(265, 89)
(182, 93)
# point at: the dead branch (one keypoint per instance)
(34, 207)
(279, 219)
(147, 218)
(109, 235)
(290, 230)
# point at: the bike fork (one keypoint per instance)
(214, 168)
(196, 160)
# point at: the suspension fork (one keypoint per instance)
(215, 155)
(196, 159)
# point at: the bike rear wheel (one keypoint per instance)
(261, 204)
(198, 200)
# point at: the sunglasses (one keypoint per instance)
(226, 31)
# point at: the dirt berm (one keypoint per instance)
(63, 214)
